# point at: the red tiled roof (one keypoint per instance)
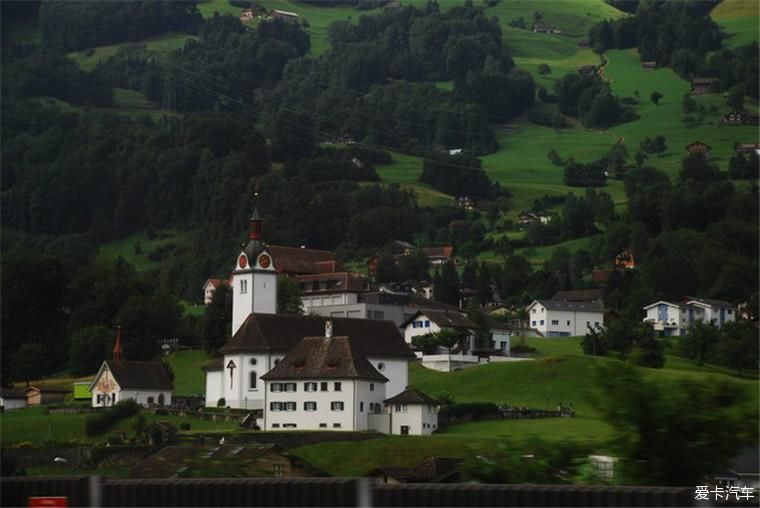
(439, 252)
(295, 261)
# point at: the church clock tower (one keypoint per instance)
(254, 279)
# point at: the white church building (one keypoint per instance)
(302, 372)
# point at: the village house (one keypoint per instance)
(12, 398)
(747, 148)
(699, 147)
(429, 321)
(700, 86)
(323, 383)
(439, 255)
(340, 288)
(529, 217)
(286, 16)
(545, 28)
(147, 383)
(671, 318)
(649, 66)
(327, 383)
(412, 412)
(625, 260)
(736, 117)
(554, 318)
(247, 15)
(210, 287)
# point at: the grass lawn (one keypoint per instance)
(574, 17)
(188, 376)
(560, 373)
(161, 45)
(33, 425)
(207, 8)
(319, 18)
(739, 19)
(405, 170)
(126, 248)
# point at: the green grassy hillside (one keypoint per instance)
(161, 45)
(188, 376)
(561, 373)
(740, 19)
(136, 248)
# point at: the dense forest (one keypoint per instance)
(251, 111)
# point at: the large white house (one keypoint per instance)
(555, 318)
(431, 321)
(674, 318)
(323, 383)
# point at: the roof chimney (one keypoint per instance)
(116, 355)
(328, 328)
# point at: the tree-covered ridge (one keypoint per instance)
(373, 83)
(681, 35)
(68, 26)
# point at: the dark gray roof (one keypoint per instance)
(13, 393)
(142, 375)
(430, 470)
(281, 332)
(411, 396)
(572, 306)
(325, 358)
(579, 295)
(444, 319)
(710, 301)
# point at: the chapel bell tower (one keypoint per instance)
(254, 279)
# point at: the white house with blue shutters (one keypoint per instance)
(671, 318)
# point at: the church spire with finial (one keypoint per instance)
(116, 355)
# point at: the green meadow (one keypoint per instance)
(626, 78)
(740, 19)
(559, 374)
(160, 45)
(208, 8)
(136, 248)
(188, 376)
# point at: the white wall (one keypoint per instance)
(501, 340)
(242, 302)
(142, 396)
(253, 290)
(214, 389)
(9, 404)
(422, 419)
(238, 394)
(323, 300)
(311, 420)
(367, 392)
(423, 327)
(563, 322)
(396, 370)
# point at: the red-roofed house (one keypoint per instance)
(439, 255)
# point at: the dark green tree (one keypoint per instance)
(90, 346)
(215, 326)
(655, 97)
(700, 342)
(288, 296)
(447, 291)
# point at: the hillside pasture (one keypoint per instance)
(160, 45)
(626, 77)
(208, 8)
(136, 248)
(405, 170)
(739, 19)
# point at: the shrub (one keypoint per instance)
(475, 410)
(221, 402)
(100, 422)
(184, 426)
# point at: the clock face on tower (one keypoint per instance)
(264, 261)
(242, 261)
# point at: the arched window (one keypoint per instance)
(253, 380)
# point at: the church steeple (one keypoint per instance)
(255, 223)
(116, 355)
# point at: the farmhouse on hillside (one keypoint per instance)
(430, 321)
(625, 260)
(699, 147)
(701, 86)
(555, 318)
